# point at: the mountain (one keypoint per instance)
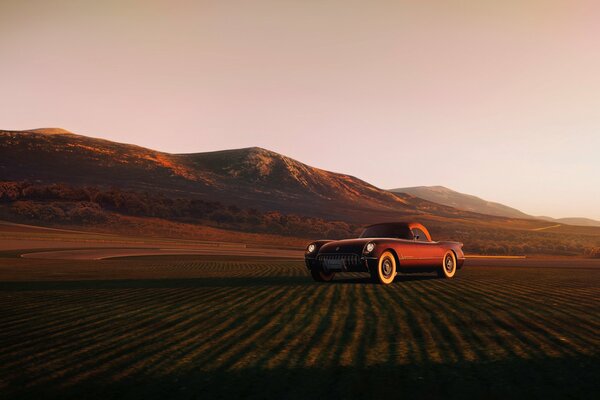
(572, 221)
(467, 202)
(53, 177)
(250, 177)
(462, 201)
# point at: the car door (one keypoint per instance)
(425, 253)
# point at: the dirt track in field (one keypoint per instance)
(60, 244)
(209, 249)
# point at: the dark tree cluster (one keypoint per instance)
(495, 241)
(61, 202)
(66, 204)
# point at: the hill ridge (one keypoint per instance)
(254, 176)
(468, 202)
(251, 176)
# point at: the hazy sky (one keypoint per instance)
(500, 99)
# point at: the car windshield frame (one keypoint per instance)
(395, 231)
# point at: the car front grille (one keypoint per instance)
(339, 261)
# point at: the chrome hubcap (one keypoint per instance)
(449, 264)
(386, 268)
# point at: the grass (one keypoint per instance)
(213, 327)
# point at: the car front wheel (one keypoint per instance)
(321, 276)
(386, 269)
(448, 268)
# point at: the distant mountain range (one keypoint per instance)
(572, 221)
(467, 202)
(462, 201)
(249, 177)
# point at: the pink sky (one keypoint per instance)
(500, 99)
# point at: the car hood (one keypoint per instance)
(345, 246)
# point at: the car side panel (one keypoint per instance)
(413, 254)
(422, 254)
(428, 254)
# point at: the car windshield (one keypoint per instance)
(398, 231)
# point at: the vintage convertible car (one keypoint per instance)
(383, 250)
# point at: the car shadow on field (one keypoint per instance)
(167, 283)
(366, 280)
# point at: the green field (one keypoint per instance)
(208, 327)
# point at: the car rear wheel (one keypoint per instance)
(321, 276)
(386, 269)
(448, 268)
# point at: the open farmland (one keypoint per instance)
(221, 327)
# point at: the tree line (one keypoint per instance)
(55, 203)
(92, 205)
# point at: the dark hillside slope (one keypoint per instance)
(252, 177)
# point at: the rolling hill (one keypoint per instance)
(467, 202)
(252, 177)
(462, 201)
(53, 177)
(578, 221)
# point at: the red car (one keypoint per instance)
(384, 250)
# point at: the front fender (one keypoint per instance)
(311, 259)
(381, 247)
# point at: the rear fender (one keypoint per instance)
(456, 247)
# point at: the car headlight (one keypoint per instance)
(369, 247)
(311, 248)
